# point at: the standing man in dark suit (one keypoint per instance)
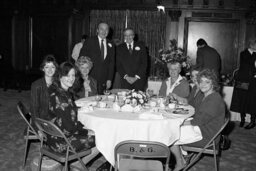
(102, 53)
(132, 62)
(207, 57)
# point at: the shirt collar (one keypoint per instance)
(127, 44)
(101, 39)
(251, 51)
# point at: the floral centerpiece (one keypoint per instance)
(135, 98)
(175, 54)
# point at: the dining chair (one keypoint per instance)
(210, 148)
(134, 155)
(47, 127)
(30, 133)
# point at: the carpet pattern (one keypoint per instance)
(240, 157)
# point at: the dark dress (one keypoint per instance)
(39, 104)
(65, 110)
(243, 100)
(195, 97)
(209, 116)
(80, 91)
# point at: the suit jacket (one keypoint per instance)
(182, 89)
(39, 104)
(208, 58)
(102, 70)
(132, 64)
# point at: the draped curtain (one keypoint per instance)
(114, 18)
(149, 26)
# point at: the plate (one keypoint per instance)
(180, 111)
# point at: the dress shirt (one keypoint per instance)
(76, 50)
(105, 46)
(127, 44)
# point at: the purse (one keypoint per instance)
(241, 85)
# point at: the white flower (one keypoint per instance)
(137, 48)
(110, 45)
(134, 101)
(134, 94)
(139, 96)
(141, 101)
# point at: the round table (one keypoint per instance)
(112, 127)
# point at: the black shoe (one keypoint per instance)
(250, 126)
(242, 123)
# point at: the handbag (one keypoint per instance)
(241, 85)
(225, 142)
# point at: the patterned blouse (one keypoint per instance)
(63, 107)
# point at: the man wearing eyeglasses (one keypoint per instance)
(132, 62)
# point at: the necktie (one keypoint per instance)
(102, 49)
(130, 48)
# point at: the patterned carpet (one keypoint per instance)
(240, 157)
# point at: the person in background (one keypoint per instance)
(207, 57)
(88, 85)
(39, 101)
(64, 111)
(175, 83)
(132, 62)
(209, 114)
(102, 53)
(78, 47)
(244, 95)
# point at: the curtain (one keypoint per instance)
(114, 18)
(149, 26)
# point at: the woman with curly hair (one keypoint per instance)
(87, 84)
(209, 113)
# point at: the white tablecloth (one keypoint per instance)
(227, 92)
(112, 127)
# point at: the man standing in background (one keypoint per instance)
(78, 47)
(102, 53)
(132, 62)
(207, 57)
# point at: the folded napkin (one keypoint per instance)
(86, 109)
(189, 134)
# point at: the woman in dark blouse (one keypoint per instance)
(39, 104)
(209, 113)
(87, 84)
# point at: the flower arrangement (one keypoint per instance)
(135, 98)
(174, 54)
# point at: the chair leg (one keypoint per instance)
(40, 162)
(25, 153)
(215, 162)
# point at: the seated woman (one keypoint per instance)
(88, 85)
(195, 96)
(64, 110)
(39, 90)
(175, 83)
(209, 114)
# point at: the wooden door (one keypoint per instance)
(219, 34)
